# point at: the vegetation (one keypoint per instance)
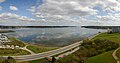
(14, 42)
(115, 37)
(89, 49)
(36, 61)
(6, 31)
(8, 60)
(39, 49)
(118, 53)
(14, 52)
(92, 48)
(102, 58)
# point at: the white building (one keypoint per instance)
(4, 38)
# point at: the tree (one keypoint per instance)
(9, 60)
(5, 61)
(53, 59)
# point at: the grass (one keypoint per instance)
(37, 61)
(107, 56)
(6, 31)
(40, 49)
(12, 52)
(15, 42)
(115, 37)
(118, 53)
(102, 58)
(34, 61)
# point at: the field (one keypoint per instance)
(118, 53)
(115, 37)
(106, 57)
(40, 49)
(34, 61)
(15, 42)
(6, 31)
(102, 58)
(12, 52)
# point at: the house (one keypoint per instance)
(109, 30)
(4, 38)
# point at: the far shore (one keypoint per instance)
(6, 31)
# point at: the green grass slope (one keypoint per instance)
(115, 37)
(40, 49)
(102, 58)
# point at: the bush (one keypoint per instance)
(9, 60)
(88, 49)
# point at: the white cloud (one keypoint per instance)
(66, 10)
(2, 1)
(10, 16)
(62, 7)
(31, 9)
(14, 8)
(110, 19)
(63, 10)
(15, 20)
(25, 18)
(71, 12)
(111, 5)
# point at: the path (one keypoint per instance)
(25, 48)
(114, 55)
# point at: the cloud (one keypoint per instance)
(80, 12)
(15, 20)
(14, 8)
(62, 7)
(67, 10)
(110, 5)
(62, 11)
(2, 1)
(32, 9)
(110, 19)
(10, 16)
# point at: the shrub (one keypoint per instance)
(88, 49)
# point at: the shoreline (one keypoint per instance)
(6, 31)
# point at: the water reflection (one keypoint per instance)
(53, 36)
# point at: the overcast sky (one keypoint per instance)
(59, 12)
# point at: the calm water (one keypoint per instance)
(53, 36)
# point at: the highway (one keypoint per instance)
(49, 53)
(45, 54)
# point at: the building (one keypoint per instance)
(4, 38)
(109, 30)
(115, 29)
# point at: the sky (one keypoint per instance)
(60, 12)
